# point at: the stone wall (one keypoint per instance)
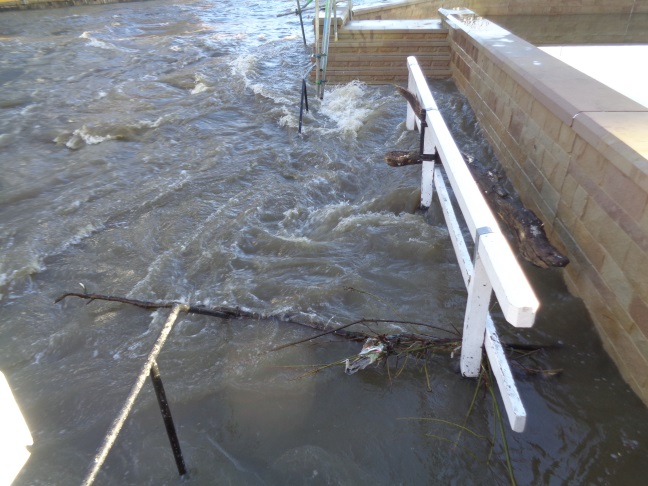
(413, 9)
(39, 4)
(577, 152)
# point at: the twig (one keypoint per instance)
(222, 312)
(442, 421)
(391, 307)
(334, 330)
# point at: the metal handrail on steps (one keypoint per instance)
(320, 50)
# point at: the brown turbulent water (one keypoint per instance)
(150, 150)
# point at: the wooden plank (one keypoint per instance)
(479, 294)
(456, 235)
(422, 91)
(427, 183)
(493, 259)
(496, 356)
(514, 294)
(505, 382)
(509, 283)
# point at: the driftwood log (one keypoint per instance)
(525, 226)
(399, 158)
(521, 222)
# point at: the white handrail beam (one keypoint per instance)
(511, 287)
(493, 266)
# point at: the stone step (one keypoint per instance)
(410, 25)
(399, 57)
(371, 44)
(376, 51)
(405, 50)
(375, 27)
(391, 29)
(346, 35)
(380, 77)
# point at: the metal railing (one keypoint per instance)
(320, 48)
(492, 267)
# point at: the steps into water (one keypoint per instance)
(374, 51)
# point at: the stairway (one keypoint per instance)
(375, 51)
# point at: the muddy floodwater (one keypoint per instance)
(150, 150)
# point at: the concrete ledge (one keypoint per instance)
(619, 136)
(580, 28)
(42, 4)
(400, 25)
(563, 89)
(397, 9)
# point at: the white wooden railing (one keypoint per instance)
(492, 267)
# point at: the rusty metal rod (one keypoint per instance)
(168, 419)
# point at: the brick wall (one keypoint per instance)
(577, 152)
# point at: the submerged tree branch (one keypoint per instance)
(414, 344)
(221, 312)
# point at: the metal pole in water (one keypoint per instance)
(317, 50)
(168, 419)
(301, 22)
(304, 101)
(118, 423)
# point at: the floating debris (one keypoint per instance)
(372, 351)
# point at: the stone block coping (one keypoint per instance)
(396, 25)
(603, 114)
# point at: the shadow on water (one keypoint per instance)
(150, 150)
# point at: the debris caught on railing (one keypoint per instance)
(411, 99)
(400, 158)
(532, 242)
(372, 351)
(528, 230)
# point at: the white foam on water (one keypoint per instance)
(33, 262)
(290, 117)
(200, 88)
(348, 106)
(245, 66)
(83, 135)
(96, 43)
(89, 135)
(93, 42)
(201, 84)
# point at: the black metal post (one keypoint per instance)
(304, 98)
(168, 419)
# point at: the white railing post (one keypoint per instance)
(474, 330)
(413, 120)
